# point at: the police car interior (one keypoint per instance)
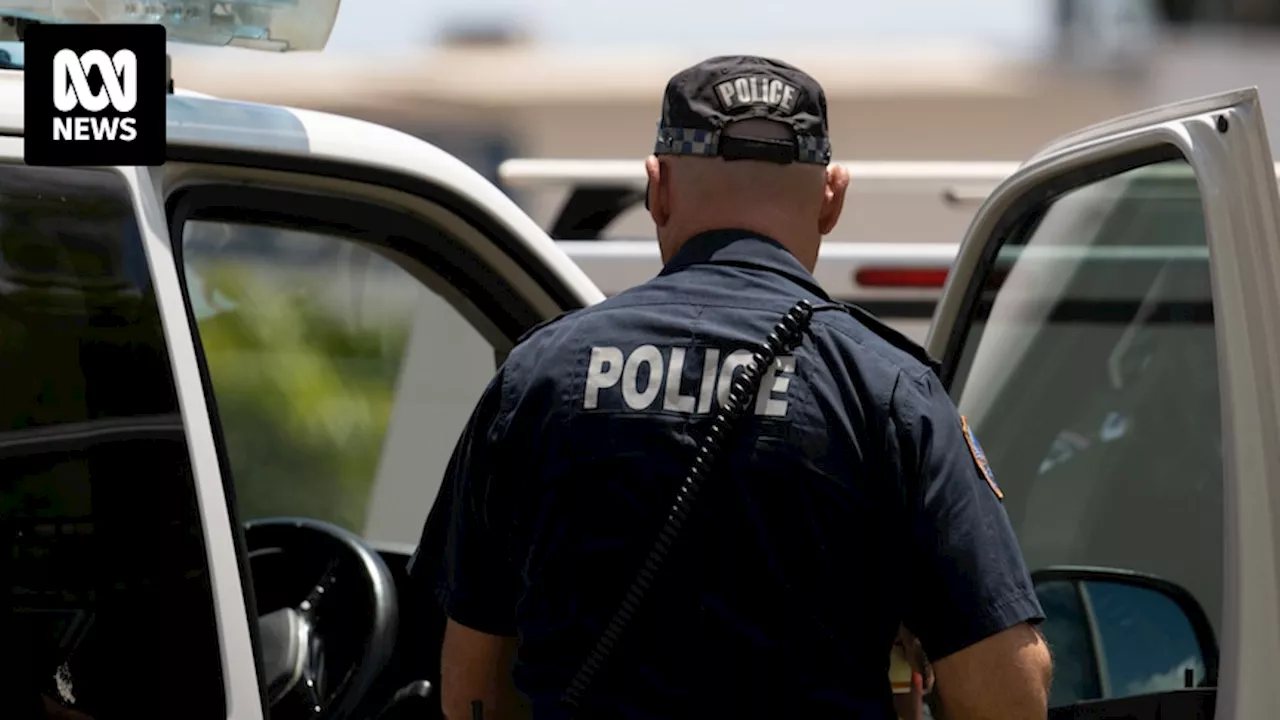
(228, 397)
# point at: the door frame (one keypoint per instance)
(300, 194)
(242, 691)
(236, 617)
(1223, 138)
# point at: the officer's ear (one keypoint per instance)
(657, 191)
(837, 186)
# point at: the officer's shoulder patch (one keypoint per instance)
(980, 457)
(549, 321)
(891, 336)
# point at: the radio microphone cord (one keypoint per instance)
(785, 337)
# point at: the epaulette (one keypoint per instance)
(549, 321)
(892, 336)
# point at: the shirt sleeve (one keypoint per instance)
(478, 585)
(967, 579)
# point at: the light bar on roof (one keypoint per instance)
(278, 25)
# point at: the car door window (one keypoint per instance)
(109, 610)
(343, 371)
(1090, 374)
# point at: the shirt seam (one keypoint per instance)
(597, 309)
(879, 352)
(992, 612)
(446, 600)
(994, 608)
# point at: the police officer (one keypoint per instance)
(851, 500)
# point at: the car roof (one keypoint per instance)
(202, 121)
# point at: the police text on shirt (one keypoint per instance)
(653, 378)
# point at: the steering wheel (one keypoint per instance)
(300, 639)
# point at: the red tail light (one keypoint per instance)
(901, 277)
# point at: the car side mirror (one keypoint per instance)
(1117, 633)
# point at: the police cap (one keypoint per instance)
(703, 101)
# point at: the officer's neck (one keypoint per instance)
(804, 246)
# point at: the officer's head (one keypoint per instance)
(743, 143)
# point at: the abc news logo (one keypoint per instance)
(71, 91)
(95, 95)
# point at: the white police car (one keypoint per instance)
(292, 317)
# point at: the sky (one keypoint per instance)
(394, 26)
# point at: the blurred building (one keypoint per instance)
(486, 96)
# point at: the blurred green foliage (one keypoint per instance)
(304, 396)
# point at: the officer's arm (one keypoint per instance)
(478, 587)
(475, 667)
(970, 600)
(1006, 675)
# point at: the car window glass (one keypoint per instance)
(342, 379)
(109, 611)
(1090, 375)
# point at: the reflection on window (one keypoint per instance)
(1090, 374)
(342, 381)
(109, 602)
(1147, 641)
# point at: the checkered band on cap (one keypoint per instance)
(688, 141)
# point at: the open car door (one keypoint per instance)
(350, 290)
(231, 385)
(125, 598)
(1110, 331)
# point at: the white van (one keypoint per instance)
(899, 282)
(232, 383)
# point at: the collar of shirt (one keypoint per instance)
(743, 248)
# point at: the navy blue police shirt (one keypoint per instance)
(853, 499)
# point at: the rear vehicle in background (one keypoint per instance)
(898, 281)
(232, 384)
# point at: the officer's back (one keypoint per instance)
(851, 498)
